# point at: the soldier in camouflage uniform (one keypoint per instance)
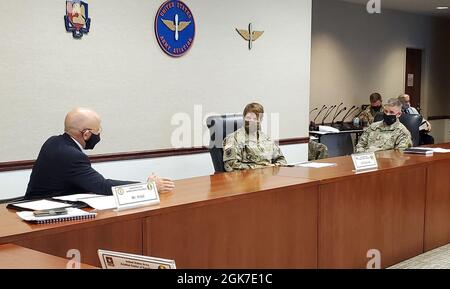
(249, 147)
(317, 151)
(387, 134)
(368, 115)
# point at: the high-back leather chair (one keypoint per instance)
(219, 127)
(338, 144)
(412, 123)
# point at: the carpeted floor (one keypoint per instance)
(436, 259)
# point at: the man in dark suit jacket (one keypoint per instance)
(62, 168)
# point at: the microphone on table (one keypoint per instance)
(337, 109)
(328, 113)
(337, 114)
(348, 113)
(312, 124)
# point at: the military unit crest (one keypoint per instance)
(77, 18)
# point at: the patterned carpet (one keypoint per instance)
(436, 259)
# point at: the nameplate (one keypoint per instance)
(117, 260)
(364, 161)
(135, 195)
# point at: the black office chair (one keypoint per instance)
(379, 116)
(219, 127)
(412, 123)
(338, 144)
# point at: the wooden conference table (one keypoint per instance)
(271, 218)
(16, 257)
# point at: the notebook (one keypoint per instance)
(72, 215)
(419, 151)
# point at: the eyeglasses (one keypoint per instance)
(91, 130)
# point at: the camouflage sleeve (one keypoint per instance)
(278, 157)
(403, 141)
(323, 151)
(317, 151)
(363, 116)
(363, 142)
(232, 156)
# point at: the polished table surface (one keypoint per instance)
(16, 257)
(272, 218)
(199, 191)
(253, 212)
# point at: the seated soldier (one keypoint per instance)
(317, 151)
(248, 147)
(368, 115)
(387, 134)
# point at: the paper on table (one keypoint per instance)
(436, 150)
(317, 165)
(76, 197)
(101, 203)
(42, 205)
(441, 150)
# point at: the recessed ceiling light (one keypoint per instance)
(442, 7)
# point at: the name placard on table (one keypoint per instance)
(135, 195)
(364, 161)
(117, 260)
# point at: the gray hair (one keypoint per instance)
(394, 102)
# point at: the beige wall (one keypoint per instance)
(355, 53)
(119, 69)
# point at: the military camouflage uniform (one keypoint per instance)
(244, 152)
(368, 115)
(380, 136)
(317, 151)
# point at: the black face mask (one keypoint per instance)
(92, 141)
(389, 119)
(376, 108)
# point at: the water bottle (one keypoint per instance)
(356, 121)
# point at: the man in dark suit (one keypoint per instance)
(62, 168)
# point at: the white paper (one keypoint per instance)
(76, 197)
(101, 203)
(42, 205)
(326, 128)
(436, 150)
(317, 165)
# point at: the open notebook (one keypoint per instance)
(72, 214)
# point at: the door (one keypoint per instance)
(413, 77)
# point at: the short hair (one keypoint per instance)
(393, 102)
(254, 107)
(375, 97)
(402, 98)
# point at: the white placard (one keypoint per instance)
(365, 161)
(116, 260)
(135, 195)
(410, 80)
